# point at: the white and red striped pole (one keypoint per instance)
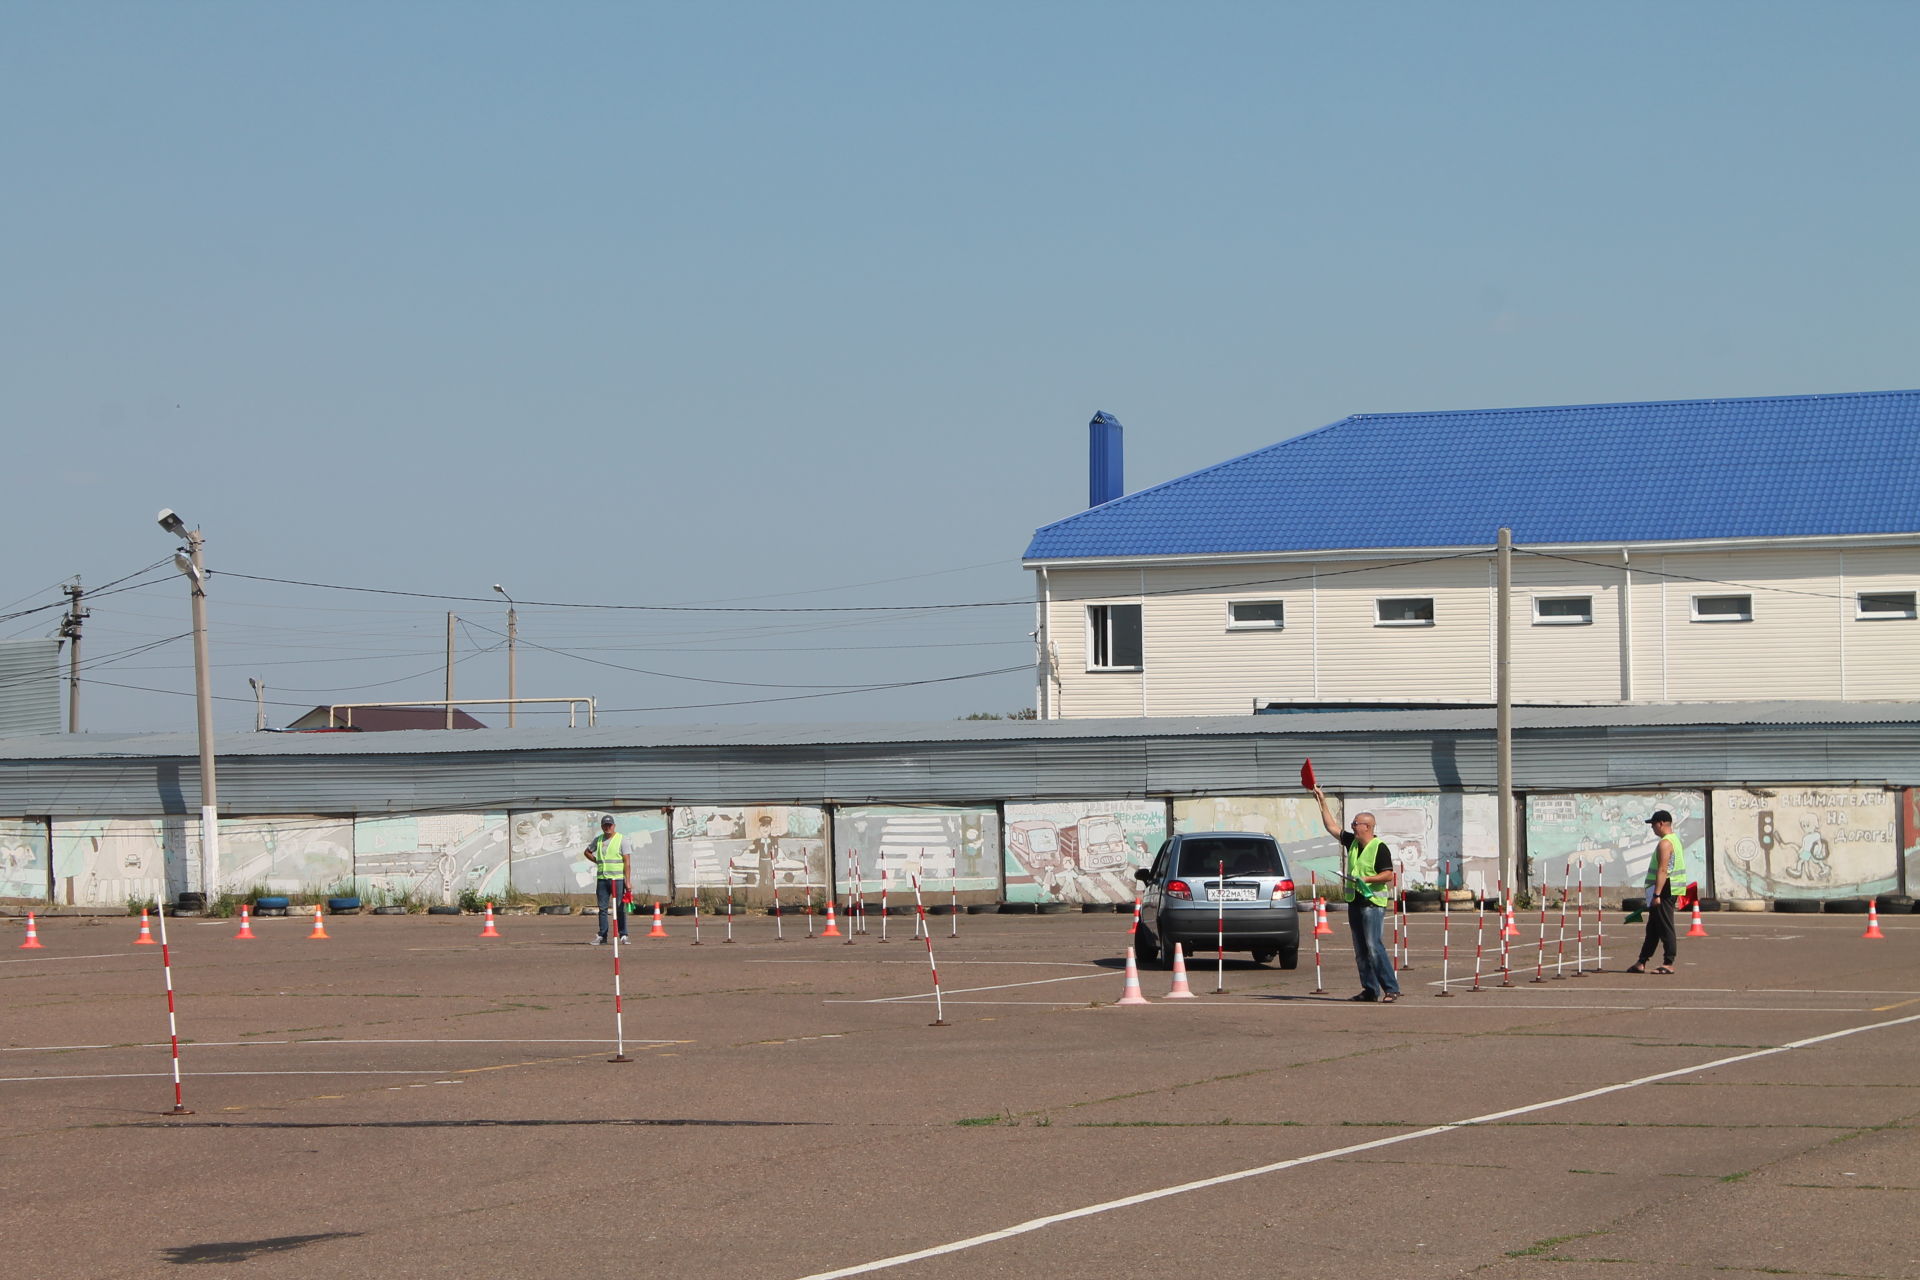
(1479, 942)
(1220, 927)
(1506, 956)
(883, 907)
(1560, 953)
(729, 937)
(1319, 983)
(806, 900)
(173, 1030)
(1540, 953)
(939, 1010)
(619, 1029)
(1134, 928)
(779, 927)
(1580, 922)
(953, 906)
(1446, 928)
(696, 911)
(1600, 928)
(1405, 929)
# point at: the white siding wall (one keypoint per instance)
(1804, 641)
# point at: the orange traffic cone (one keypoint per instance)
(1509, 929)
(832, 930)
(659, 929)
(489, 931)
(1321, 929)
(1698, 930)
(33, 937)
(246, 925)
(1132, 993)
(1873, 919)
(1181, 991)
(319, 929)
(146, 934)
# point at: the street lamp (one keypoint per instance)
(513, 631)
(193, 566)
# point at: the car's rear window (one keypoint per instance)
(1243, 856)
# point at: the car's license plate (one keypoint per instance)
(1232, 894)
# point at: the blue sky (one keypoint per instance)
(806, 305)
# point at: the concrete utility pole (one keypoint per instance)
(193, 565)
(450, 621)
(1503, 700)
(513, 634)
(70, 632)
(259, 705)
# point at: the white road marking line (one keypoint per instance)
(165, 1075)
(950, 964)
(104, 955)
(958, 991)
(1147, 1197)
(242, 1044)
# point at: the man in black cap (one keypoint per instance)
(612, 873)
(1668, 863)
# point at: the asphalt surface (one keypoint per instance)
(406, 1098)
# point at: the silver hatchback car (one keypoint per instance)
(1219, 888)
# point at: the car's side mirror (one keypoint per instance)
(1143, 875)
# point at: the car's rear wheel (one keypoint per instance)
(1290, 957)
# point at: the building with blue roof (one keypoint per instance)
(1666, 551)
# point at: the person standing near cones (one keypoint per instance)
(612, 873)
(1668, 863)
(1366, 884)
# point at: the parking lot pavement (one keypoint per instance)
(407, 1098)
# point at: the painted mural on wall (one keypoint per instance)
(1312, 855)
(23, 860)
(1450, 840)
(430, 857)
(1805, 842)
(1080, 850)
(1911, 798)
(547, 844)
(110, 862)
(756, 846)
(1604, 837)
(948, 848)
(285, 855)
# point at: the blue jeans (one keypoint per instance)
(1365, 921)
(616, 891)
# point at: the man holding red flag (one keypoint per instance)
(1366, 882)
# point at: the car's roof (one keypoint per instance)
(1211, 835)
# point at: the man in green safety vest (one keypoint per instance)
(1366, 882)
(612, 873)
(1664, 869)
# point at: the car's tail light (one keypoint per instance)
(1178, 889)
(1282, 888)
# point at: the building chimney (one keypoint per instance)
(1105, 458)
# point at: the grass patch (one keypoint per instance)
(1543, 1248)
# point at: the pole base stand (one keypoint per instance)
(1318, 991)
(619, 1057)
(1531, 981)
(1442, 995)
(179, 1110)
(939, 1022)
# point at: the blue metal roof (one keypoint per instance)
(1766, 467)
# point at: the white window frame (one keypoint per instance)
(1379, 621)
(1562, 620)
(1863, 614)
(1099, 615)
(1745, 615)
(1257, 624)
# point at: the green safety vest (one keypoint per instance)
(1676, 869)
(609, 862)
(1360, 862)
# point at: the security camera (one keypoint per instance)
(171, 522)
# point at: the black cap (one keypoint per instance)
(607, 821)
(1659, 815)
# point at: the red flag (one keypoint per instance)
(1306, 774)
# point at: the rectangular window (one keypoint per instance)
(1113, 637)
(1256, 615)
(1885, 605)
(1562, 611)
(1723, 608)
(1403, 611)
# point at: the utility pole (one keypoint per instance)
(259, 705)
(450, 621)
(513, 633)
(70, 632)
(1503, 700)
(193, 565)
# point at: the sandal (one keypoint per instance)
(1390, 997)
(1638, 966)
(1664, 969)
